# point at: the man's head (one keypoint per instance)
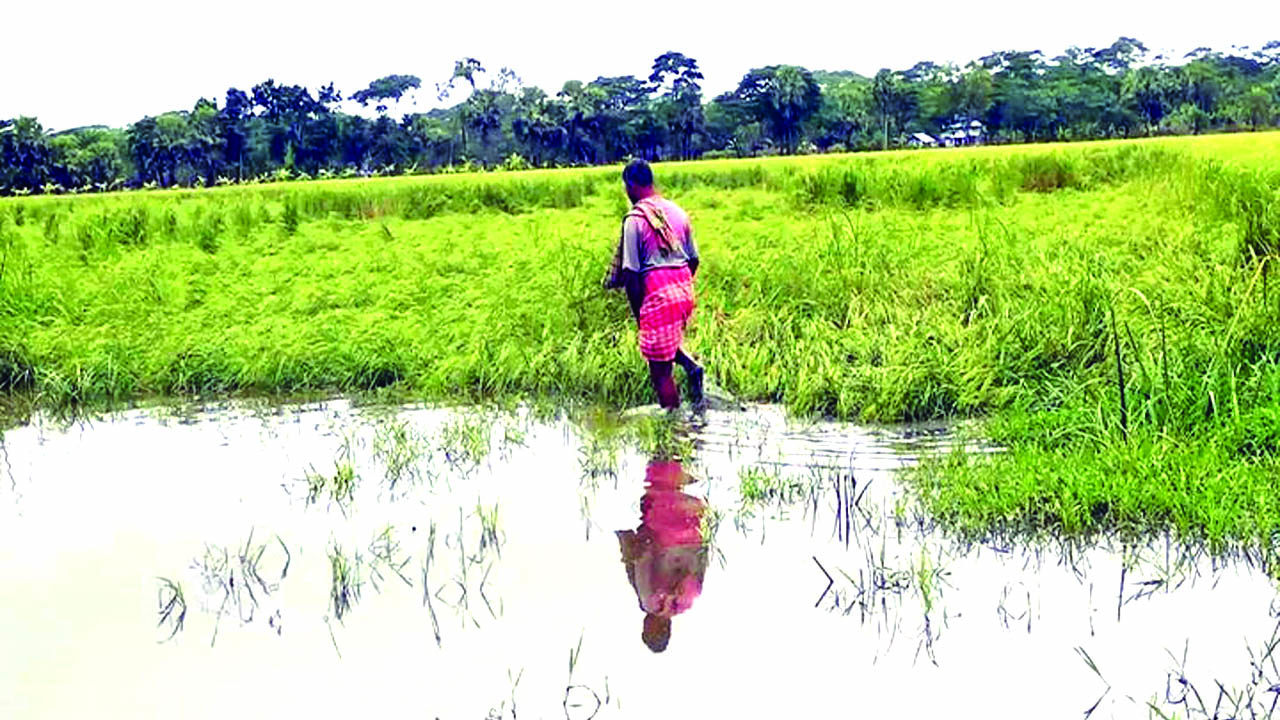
(657, 632)
(637, 177)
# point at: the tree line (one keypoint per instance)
(277, 131)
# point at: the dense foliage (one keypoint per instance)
(276, 131)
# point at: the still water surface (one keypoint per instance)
(494, 566)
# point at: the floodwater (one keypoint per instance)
(326, 560)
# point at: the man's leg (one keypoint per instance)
(694, 372)
(664, 385)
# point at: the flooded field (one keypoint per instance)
(340, 561)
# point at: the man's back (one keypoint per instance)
(643, 246)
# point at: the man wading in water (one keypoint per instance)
(655, 262)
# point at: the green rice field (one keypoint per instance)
(1108, 310)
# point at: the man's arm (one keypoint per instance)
(629, 264)
(629, 543)
(691, 251)
(634, 284)
(613, 278)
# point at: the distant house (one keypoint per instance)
(921, 140)
(961, 133)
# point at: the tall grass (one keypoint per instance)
(878, 288)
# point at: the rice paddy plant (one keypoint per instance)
(598, 457)
(402, 451)
(926, 581)
(757, 486)
(15, 373)
(345, 581)
(465, 441)
(1196, 493)
(336, 328)
(468, 580)
(490, 528)
(427, 558)
(385, 553)
(709, 530)
(339, 487)
(661, 438)
(513, 436)
(1249, 198)
(289, 218)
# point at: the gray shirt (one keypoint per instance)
(641, 251)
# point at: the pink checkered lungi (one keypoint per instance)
(666, 310)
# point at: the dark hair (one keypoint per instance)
(637, 173)
(657, 632)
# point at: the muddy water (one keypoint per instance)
(497, 566)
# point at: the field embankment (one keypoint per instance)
(1110, 306)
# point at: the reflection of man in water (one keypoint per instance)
(666, 556)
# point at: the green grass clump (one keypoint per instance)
(402, 451)
(1201, 492)
(339, 487)
(345, 581)
(757, 486)
(465, 441)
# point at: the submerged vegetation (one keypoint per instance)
(1110, 307)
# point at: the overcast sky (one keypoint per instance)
(78, 63)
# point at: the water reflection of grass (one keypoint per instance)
(243, 577)
(490, 528)
(664, 437)
(1258, 697)
(386, 554)
(402, 451)
(172, 604)
(344, 581)
(465, 440)
(603, 435)
(340, 486)
(598, 458)
(758, 486)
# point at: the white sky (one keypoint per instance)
(77, 63)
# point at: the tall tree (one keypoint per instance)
(235, 112)
(1020, 103)
(205, 141)
(1203, 83)
(1150, 91)
(783, 96)
(1120, 55)
(975, 92)
(25, 152)
(389, 88)
(846, 110)
(615, 102)
(678, 76)
(536, 125)
(467, 69)
(1256, 108)
(892, 99)
(287, 109)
